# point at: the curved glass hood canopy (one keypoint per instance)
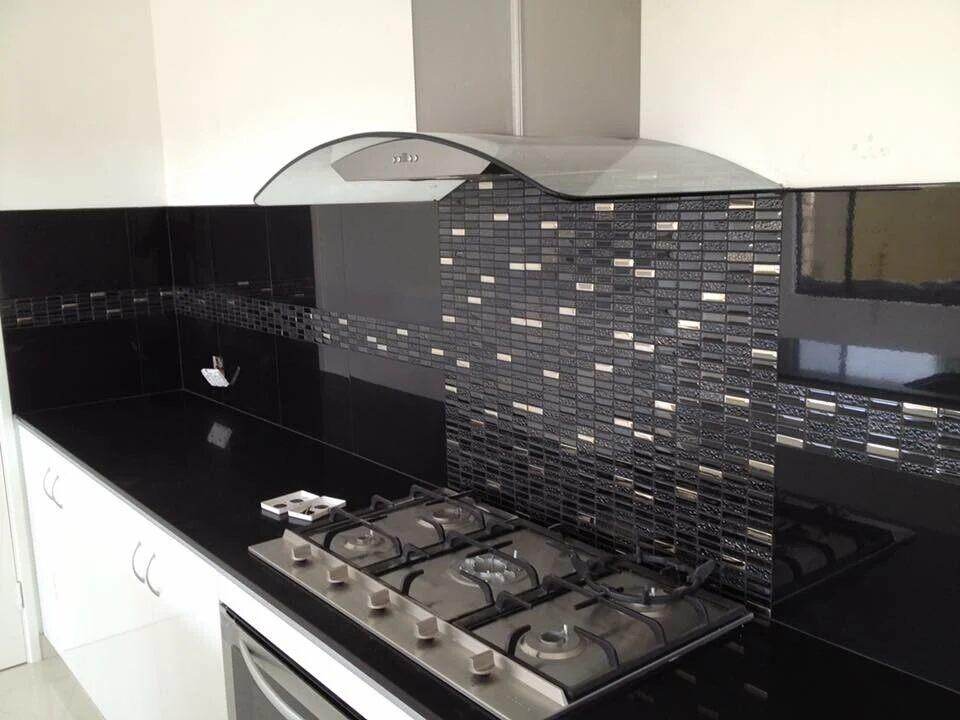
(415, 167)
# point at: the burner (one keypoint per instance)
(490, 568)
(448, 514)
(450, 517)
(363, 539)
(552, 644)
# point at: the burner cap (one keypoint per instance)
(362, 539)
(450, 516)
(560, 643)
(447, 514)
(491, 568)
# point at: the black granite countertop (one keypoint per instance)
(154, 450)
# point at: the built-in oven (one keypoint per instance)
(263, 684)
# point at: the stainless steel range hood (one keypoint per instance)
(411, 167)
(548, 90)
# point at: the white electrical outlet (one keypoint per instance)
(215, 375)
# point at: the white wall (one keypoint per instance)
(247, 85)
(79, 120)
(141, 102)
(808, 92)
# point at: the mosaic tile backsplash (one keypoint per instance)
(615, 366)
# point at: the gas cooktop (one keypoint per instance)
(523, 620)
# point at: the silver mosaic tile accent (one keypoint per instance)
(398, 341)
(911, 437)
(645, 325)
(85, 307)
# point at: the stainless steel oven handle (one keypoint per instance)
(261, 682)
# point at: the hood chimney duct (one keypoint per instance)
(539, 68)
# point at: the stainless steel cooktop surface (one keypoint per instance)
(521, 619)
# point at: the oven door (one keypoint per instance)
(263, 685)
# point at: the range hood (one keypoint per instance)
(411, 167)
(547, 90)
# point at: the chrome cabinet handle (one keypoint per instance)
(133, 564)
(43, 483)
(146, 575)
(53, 489)
(260, 681)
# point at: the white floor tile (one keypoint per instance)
(43, 691)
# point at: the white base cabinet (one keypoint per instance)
(133, 612)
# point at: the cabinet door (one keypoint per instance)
(184, 589)
(104, 610)
(99, 562)
(38, 472)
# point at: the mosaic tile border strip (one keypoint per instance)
(407, 342)
(86, 307)
(917, 438)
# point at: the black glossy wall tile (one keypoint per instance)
(149, 247)
(889, 244)
(241, 260)
(159, 353)
(398, 415)
(63, 251)
(390, 257)
(191, 248)
(255, 389)
(292, 273)
(55, 366)
(328, 258)
(198, 344)
(314, 388)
